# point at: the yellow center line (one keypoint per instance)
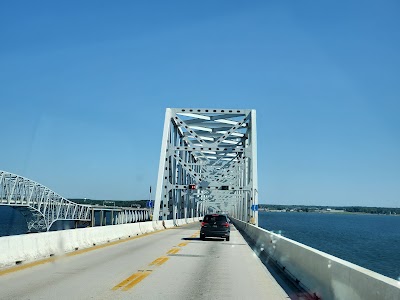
(173, 251)
(139, 278)
(155, 262)
(159, 261)
(125, 282)
(163, 260)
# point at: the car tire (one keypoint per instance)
(227, 238)
(202, 237)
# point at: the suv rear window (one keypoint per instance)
(212, 219)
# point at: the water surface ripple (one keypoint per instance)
(370, 241)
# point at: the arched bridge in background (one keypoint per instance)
(42, 207)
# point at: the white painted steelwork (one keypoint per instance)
(40, 206)
(131, 215)
(208, 163)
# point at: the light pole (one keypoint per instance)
(150, 205)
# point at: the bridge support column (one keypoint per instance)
(254, 171)
(92, 217)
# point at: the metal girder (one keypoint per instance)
(40, 206)
(208, 162)
(129, 215)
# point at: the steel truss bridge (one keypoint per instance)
(208, 163)
(42, 207)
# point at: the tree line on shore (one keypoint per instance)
(119, 203)
(349, 209)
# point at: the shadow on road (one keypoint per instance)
(207, 239)
(191, 239)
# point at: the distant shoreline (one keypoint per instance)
(329, 212)
(331, 209)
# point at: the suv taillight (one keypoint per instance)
(226, 224)
(203, 223)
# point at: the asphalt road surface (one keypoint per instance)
(170, 264)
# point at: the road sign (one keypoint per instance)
(254, 207)
(150, 204)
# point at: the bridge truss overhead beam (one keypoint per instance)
(208, 163)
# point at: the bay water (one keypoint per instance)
(370, 241)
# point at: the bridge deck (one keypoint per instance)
(173, 263)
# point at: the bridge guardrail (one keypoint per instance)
(30, 247)
(322, 275)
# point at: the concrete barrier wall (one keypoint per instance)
(157, 225)
(325, 275)
(180, 222)
(169, 223)
(30, 247)
(146, 227)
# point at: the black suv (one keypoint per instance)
(215, 225)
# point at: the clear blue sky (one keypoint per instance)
(84, 87)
